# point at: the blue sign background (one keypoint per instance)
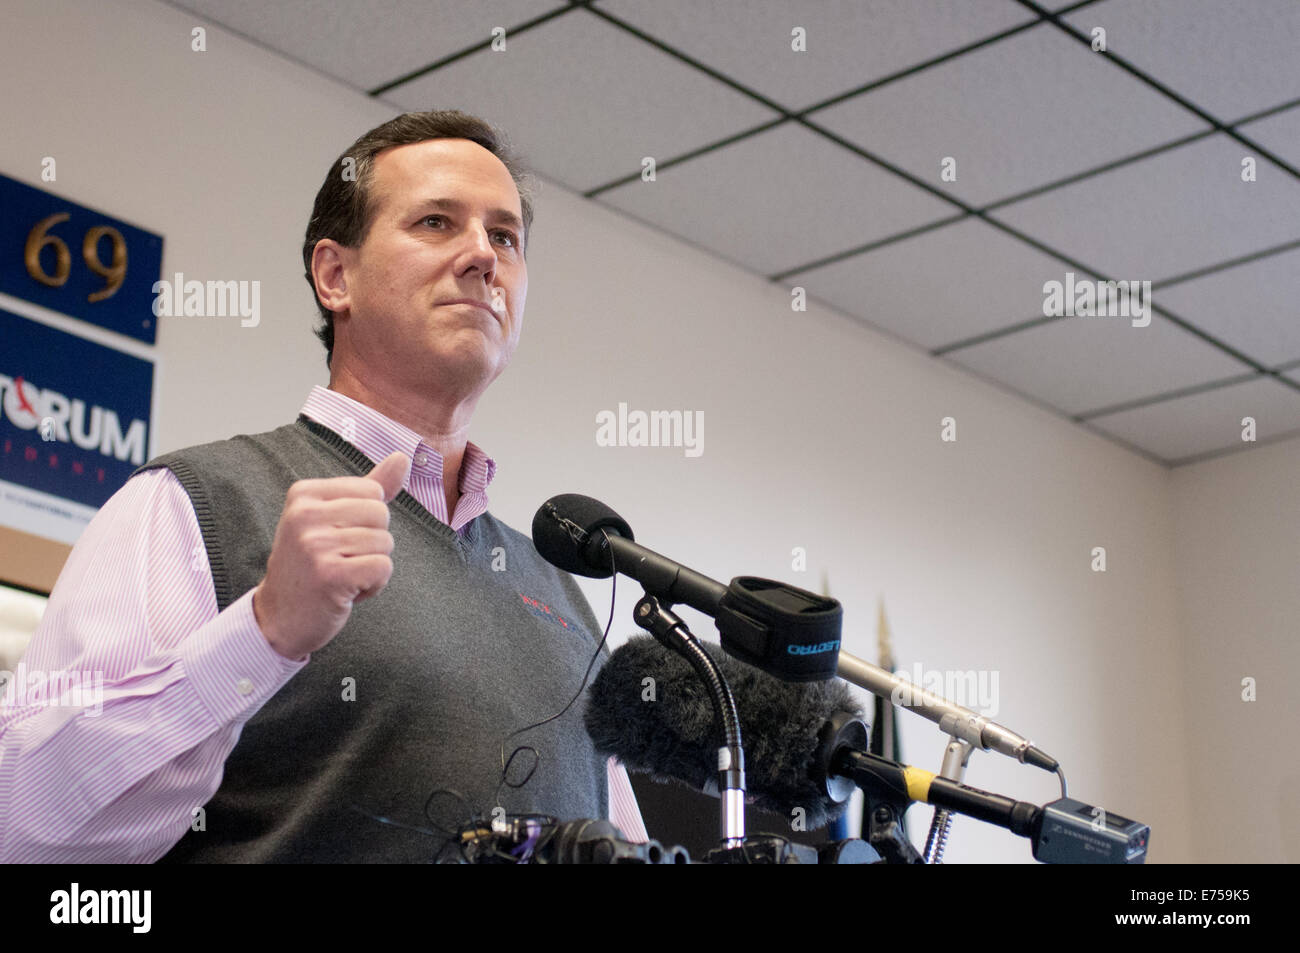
(128, 311)
(50, 359)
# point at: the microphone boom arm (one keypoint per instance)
(672, 633)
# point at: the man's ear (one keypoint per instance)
(329, 272)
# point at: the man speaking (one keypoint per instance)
(317, 643)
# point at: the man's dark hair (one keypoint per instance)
(344, 211)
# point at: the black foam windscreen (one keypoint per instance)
(560, 528)
(649, 708)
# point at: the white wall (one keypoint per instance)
(1238, 550)
(819, 433)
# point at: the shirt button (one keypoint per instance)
(244, 687)
(420, 460)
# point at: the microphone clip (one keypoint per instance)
(572, 529)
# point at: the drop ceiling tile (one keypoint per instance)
(585, 101)
(1254, 307)
(1231, 59)
(1166, 215)
(848, 43)
(1081, 364)
(1279, 133)
(1015, 115)
(1208, 421)
(941, 286)
(369, 44)
(778, 200)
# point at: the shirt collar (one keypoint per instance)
(377, 436)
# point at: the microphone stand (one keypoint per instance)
(885, 802)
(672, 633)
(955, 759)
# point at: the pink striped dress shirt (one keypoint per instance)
(119, 778)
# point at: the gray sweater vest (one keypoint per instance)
(472, 639)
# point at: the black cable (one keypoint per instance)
(475, 818)
(505, 763)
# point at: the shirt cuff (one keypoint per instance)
(232, 667)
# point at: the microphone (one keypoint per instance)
(563, 527)
(666, 727)
(647, 707)
(807, 748)
(951, 718)
(787, 632)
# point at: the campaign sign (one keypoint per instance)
(78, 261)
(74, 424)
